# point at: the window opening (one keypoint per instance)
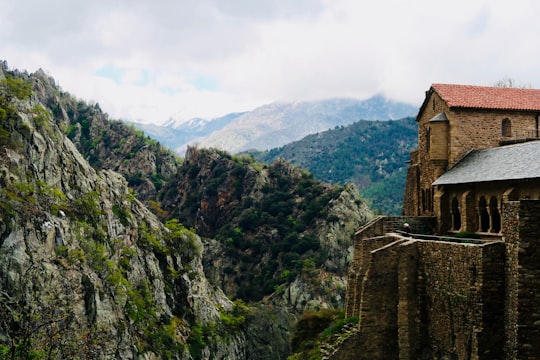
(495, 215)
(456, 215)
(484, 215)
(506, 128)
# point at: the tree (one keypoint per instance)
(508, 82)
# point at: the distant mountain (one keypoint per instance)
(88, 268)
(176, 134)
(275, 124)
(370, 154)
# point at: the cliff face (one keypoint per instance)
(85, 269)
(279, 235)
(105, 143)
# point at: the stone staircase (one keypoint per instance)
(332, 343)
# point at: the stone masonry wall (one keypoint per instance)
(429, 299)
(449, 301)
(379, 306)
(357, 271)
(510, 223)
(375, 231)
(529, 280)
(522, 317)
(412, 191)
(486, 127)
(492, 337)
(468, 129)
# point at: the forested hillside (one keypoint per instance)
(77, 244)
(276, 227)
(370, 154)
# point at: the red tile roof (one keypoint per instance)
(484, 97)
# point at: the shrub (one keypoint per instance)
(468, 235)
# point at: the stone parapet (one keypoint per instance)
(428, 299)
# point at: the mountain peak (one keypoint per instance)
(280, 123)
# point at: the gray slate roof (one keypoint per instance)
(439, 117)
(511, 162)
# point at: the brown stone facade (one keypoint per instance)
(441, 143)
(478, 207)
(436, 296)
(424, 297)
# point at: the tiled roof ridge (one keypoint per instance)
(488, 97)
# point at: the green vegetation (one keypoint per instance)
(229, 324)
(11, 88)
(313, 328)
(270, 238)
(268, 229)
(468, 235)
(370, 154)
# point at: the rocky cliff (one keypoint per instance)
(96, 259)
(86, 270)
(106, 143)
(278, 234)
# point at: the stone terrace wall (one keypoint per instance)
(358, 269)
(429, 299)
(492, 337)
(379, 305)
(464, 286)
(375, 231)
(522, 317)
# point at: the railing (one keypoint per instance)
(442, 238)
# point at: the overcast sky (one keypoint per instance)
(152, 60)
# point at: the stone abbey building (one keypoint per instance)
(466, 283)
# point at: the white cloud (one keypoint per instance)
(210, 57)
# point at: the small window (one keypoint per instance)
(456, 215)
(506, 128)
(495, 215)
(428, 138)
(484, 215)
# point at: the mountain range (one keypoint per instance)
(372, 155)
(111, 246)
(275, 124)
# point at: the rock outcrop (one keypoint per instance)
(96, 259)
(86, 270)
(281, 236)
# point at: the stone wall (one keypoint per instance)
(428, 299)
(357, 271)
(522, 315)
(371, 237)
(460, 294)
(492, 269)
(412, 190)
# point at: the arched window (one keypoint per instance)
(506, 128)
(456, 215)
(484, 215)
(495, 215)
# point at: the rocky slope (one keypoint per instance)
(105, 143)
(87, 271)
(280, 235)
(87, 268)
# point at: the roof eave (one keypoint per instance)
(424, 104)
